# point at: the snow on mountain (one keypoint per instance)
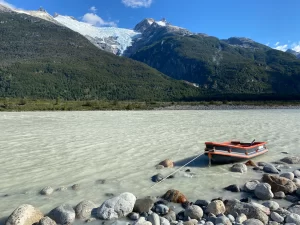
(41, 13)
(115, 40)
(4, 8)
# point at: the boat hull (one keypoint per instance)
(223, 159)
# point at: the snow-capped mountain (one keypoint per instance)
(297, 54)
(40, 13)
(112, 39)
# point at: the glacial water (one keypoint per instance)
(113, 152)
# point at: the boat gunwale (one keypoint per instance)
(238, 155)
(228, 144)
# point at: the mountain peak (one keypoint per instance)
(4, 8)
(144, 25)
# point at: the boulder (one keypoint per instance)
(263, 191)
(167, 163)
(47, 191)
(164, 221)
(276, 217)
(269, 168)
(279, 183)
(233, 188)
(161, 209)
(171, 216)
(84, 209)
(293, 218)
(239, 167)
(235, 206)
(241, 218)
(288, 175)
(63, 214)
(223, 220)
(194, 212)
(291, 198)
(133, 216)
(47, 221)
(291, 160)
(142, 221)
(263, 208)
(296, 173)
(297, 182)
(116, 207)
(154, 219)
(75, 187)
(279, 195)
(202, 203)
(143, 205)
(231, 218)
(294, 209)
(251, 185)
(174, 196)
(272, 205)
(24, 215)
(216, 207)
(253, 222)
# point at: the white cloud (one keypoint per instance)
(296, 47)
(281, 47)
(93, 9)
(268, 44)
(137, 3)
(96, 20)
(277, 43)
(2, 2)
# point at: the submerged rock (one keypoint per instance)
(233, 188)
(24, 215)
(239, 167)
(167, 163)
(174, 196)
(291, 160)
(269, 168)
(47, 191)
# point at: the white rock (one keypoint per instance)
(24, 215)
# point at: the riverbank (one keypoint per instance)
(23, 104)
(272, 199)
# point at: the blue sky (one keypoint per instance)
(271, 22)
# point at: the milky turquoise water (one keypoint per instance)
(39, 149)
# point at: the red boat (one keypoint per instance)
(234, 151)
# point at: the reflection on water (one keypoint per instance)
(121, 149)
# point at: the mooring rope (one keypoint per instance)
(177, 170)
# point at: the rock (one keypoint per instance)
(167, 163)
(142, 221)
(194, 212)
(100, 181)
(202, 203)
(143, 205)
(63, 214)
(297, 182)
(272, 205)
(279, 183)
(261, 164)
(216, 207)
(263, 208)
(24, 215)
(239, 167)
(253, 222)
(154, 219)
(231, 217)
(47, 221)
(62, 188)
(241, 218)
(263, 191)
(158, 177)
(298, 192)
(209, 223)
(279, 195)
(250, 163)
(174, 196)
(161, 209)
(164, 221)
(288, 175)
(294, 209)
(133, 216)
(47, 191)
(251, 185)
(84, 209)
(159, 167)
(293, 218)
(269, 168)
(223, 220)
(233, 188)
(291, 198)
(276, 217)
(116, 207)
(171, 216)
(75, 187)
(291, 160)
(211, 217)
(296, 173)
(90, 220)
(191, 222)
(235, 206)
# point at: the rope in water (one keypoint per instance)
(177, 170)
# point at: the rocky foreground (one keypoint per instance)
(262, 206)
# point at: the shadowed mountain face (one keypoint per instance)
(44, 60)
(233, 66)
(297, 54)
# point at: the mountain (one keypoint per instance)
(297, 54)
(41, 59)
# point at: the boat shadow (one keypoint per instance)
(201, 162)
